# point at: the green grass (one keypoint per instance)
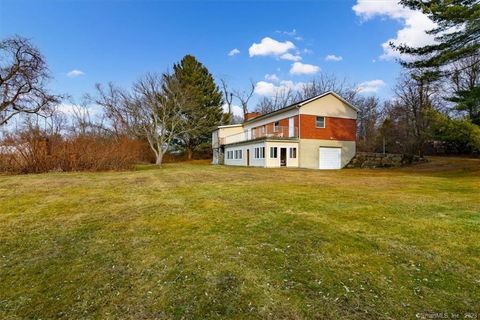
(198, 241)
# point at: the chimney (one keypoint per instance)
(251, 115)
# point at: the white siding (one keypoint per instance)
(256, 162)
(243, 162)
(275, 162)
(232, 161)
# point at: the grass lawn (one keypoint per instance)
(199, 241)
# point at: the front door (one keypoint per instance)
(283, 157)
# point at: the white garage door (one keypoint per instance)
(330, 158)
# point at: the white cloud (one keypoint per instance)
(414, 23)
(270, 47)
(264, 88)
(290, 57)
(307, 51)
(272, 77)
(233, 52)
(332, 57)
(304, 68)
(75, 73)
(236, 110)
(370, 86)
(70, 110)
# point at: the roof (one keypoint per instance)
(228, 126)
(301, 103)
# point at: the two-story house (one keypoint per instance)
(317, 133)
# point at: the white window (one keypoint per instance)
(320, 122)
(240, 155)
(276, 126)
(273, 152)
(259, 153)
(293, 153)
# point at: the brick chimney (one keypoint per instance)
(251, 115)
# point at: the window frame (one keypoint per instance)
(292, 153)
(324, 122)
(276, 126)
(273, 152)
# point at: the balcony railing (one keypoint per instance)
(268, 132)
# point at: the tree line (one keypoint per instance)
(435, 107)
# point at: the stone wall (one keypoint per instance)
(381, 160)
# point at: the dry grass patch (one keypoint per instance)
(199, 241)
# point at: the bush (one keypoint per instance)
(459, 135)
(33, 152)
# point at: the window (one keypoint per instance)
(273, 152)
(263, 129)
(238, 154)
(276, 126)
(320, 122)
(293, 153)
(260, 153)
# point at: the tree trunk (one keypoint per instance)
(159, 159)
(189, 153)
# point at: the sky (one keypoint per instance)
(275, 44)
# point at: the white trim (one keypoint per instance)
(230, 125)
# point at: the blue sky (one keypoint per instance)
(120, 40)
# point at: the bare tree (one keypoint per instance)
(281, 99)
(326, 82)
(466, 73)
(368, 116)
(23, 78)
(415, 97)
(114, 102)
(245, 96)
(152, 110)
(228, 96)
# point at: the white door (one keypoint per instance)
(330, 158)
(291, 127)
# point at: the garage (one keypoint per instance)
(330, 158)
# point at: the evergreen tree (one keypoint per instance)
(204, 107)
(469, 101)
(457, 34)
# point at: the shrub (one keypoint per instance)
(33, 152)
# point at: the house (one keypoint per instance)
(317, 133)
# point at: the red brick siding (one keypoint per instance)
(335, 128)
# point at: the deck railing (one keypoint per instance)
(269, 132)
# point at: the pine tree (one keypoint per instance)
(457, 34)
(204, 110)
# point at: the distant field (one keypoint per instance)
(198, 241)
